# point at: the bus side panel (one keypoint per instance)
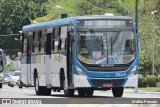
(41, 70)
(24, 73)
(58, 62)
(80, 81)
(48, 70)
(132, 81)
(39, 66)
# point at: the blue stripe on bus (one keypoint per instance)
(49, 24)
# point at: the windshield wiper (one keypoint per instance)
(114, 41)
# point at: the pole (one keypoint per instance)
(153, 24)
(136, 18)
(153, 46)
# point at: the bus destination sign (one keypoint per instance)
(104, 23)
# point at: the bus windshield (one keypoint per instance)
(110, 47)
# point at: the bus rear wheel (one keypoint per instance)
(38, 89)
(117, 91)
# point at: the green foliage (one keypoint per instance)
(144, 62)
(152, 81)
(87, 7)
(8, 68)
(13, 15)
(158, 79)
(142, 82)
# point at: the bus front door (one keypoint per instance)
(70, 59)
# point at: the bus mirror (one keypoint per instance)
(20, 38)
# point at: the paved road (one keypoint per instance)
(15, 92)
(59, 98)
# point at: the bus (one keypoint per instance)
(83, 53)
(1, 68)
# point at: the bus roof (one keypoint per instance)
(69, 20)
(48, 24)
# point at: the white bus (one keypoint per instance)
(83, 53)
(1, 68)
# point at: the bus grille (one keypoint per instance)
(107, 69)
(117, 82)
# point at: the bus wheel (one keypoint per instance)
(0, 85)
(89, 92)
(69, 92)
(117, 91)
(47, 91)
(38, 89)
(81, 92)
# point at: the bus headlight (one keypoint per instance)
(80, 72)
(132, 72)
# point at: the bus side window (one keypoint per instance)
(24, 45)
(33, 42)
(63, 44)
(39, 40)
(36, 42)
(63, 36)
(42, 41)
(56, 39)
(53, 39)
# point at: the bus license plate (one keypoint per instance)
(107, 85)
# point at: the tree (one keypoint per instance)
(13, 15)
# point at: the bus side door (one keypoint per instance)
(70, 58)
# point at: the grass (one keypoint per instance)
(148, 89)
(157, 89)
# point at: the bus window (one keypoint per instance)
(39, 40)
(36, 43)
(63, 37)
(53, 39)
(24, 42)
(63, 44)
(33, 40)
(43, 41)
(57, 40)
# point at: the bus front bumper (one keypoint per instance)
(82, 82)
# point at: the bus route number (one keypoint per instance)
(121, 74)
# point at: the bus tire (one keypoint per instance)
(117, 91)
(47, 91)
(89, 92)
(38, 89)
(11, 85)
(81, 92)
(69, 92)
(20, 86)
(0, 85)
